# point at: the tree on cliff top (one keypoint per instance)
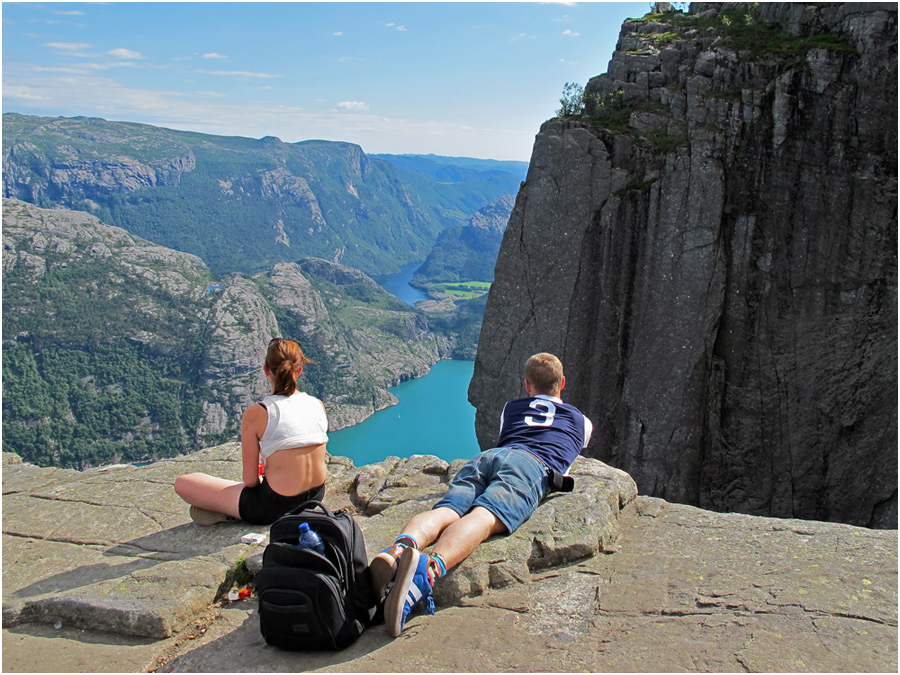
(571, 101)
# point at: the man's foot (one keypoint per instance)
(206, 517)
(411, 586)
(383, 570)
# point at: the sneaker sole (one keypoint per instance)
(396, 599)
(382, 569)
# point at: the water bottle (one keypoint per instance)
(309, 539)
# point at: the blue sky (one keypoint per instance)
(456, 79)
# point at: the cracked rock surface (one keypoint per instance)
(113, 548)
(598, 580)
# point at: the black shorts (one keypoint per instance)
(261, 505)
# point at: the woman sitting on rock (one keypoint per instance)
(283, 450)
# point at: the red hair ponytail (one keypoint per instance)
(284, 358)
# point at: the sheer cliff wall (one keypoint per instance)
(711, 249)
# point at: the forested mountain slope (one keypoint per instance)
(240, 204)
(467, 253)
(116, 349)
(458, 186)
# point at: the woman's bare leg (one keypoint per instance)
(209, 492)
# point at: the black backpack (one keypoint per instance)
(311, 601)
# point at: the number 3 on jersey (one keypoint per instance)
(546, 410)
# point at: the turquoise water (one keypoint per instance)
(398, 284)
(434, 417)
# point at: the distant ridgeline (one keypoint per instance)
(467, 253)
(244, 204)
(116, 349)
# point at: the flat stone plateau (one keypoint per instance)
(104, 572)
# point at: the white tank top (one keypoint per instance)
(294, 422)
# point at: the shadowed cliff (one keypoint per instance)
(710, 248)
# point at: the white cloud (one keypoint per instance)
(568, 32)
(203, 111)
(106, 66)
(338, 34)
(213, 55)
(352, 105)
(69, 48)
(238, 73)
(393, 25)
(125, 54)
(72, 13)
(23, 94)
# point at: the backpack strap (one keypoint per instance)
(311, 505)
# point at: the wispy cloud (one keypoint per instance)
(125, 54)
(352, 105)
(107, 66)
(393, 25)
(238, 73)
(213, 55)
(338, 34)
(69, 48)
(573, 34)
(74, 12)
(206, 112)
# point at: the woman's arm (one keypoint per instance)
(253, 426)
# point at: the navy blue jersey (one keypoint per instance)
(549, 429)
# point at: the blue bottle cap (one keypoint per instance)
(304, 527)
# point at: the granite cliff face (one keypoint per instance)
(711, 250)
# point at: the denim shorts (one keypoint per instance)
(261, 505)
(508, 482)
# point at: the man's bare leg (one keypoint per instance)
(413, 581)
(427, 526)
(463, 536)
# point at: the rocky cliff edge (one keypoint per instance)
(95, 557)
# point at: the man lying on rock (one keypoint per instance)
(493, 493)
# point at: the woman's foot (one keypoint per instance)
(206, 517)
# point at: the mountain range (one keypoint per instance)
(116, 349)
(145, 269)
(243, 204)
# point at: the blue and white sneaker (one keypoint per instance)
(411, 586)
